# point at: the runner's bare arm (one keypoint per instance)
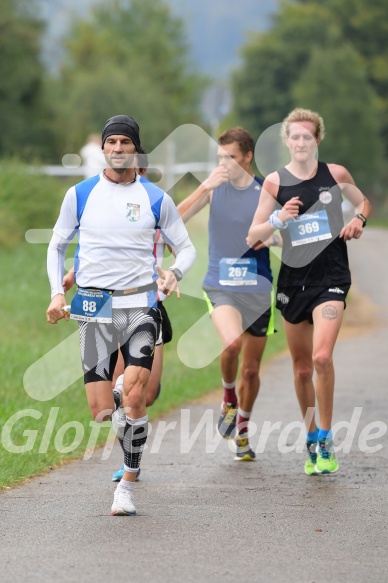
(353, 230)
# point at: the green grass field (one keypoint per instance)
(38, 434)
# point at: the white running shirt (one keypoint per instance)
(117, 227)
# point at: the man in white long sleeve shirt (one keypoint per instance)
(116, 215)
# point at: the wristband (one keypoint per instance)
(362, 218)
(177, 272)
(275, 222)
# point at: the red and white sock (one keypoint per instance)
(230, 397)
(243, 421)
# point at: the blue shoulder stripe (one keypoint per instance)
(155, 194)
(82, 190)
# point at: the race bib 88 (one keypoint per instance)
(92, 305)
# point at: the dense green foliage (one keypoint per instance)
(329, 56)
(22, 115)
(28, 200)
(129, 57)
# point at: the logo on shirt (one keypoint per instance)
(336, 290)
(325, 196)
(133, 212)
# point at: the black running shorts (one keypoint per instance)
(166, 335)
(298, 303)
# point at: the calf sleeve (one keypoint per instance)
(135, 436)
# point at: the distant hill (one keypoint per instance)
(216, 29)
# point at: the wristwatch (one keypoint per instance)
(177, 272)
(363, 219)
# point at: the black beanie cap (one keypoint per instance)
(122, 125)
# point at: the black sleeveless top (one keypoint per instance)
(313, 254)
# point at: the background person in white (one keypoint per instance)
(93, 160)
(116, 255)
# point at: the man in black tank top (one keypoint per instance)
(303, 200)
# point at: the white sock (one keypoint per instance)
(126, 484)
(228, 385)
(245, 414)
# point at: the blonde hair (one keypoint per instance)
(300, 114)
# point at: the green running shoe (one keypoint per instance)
(310, 463)
(326, 460)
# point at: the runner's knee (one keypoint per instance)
(303, 371)
(323, 361)
(250, 373)
(100, 413)
(233, 349)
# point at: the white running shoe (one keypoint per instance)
(119, 384)
(119, 419)
(123, 502)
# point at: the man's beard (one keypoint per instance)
(129, 162)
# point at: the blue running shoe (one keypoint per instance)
(120, 473)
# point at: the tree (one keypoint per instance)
(348, 105)
(130, 57)
(303, 56)
(365, 25)
(21, 73)
(273, 61)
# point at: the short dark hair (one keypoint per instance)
(239, 135)
(142, 159)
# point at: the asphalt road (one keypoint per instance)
(203, 517)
